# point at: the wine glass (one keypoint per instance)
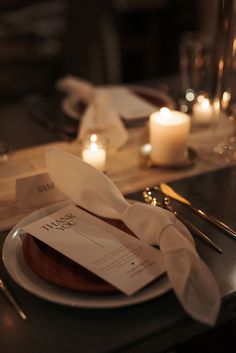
(226, 148)
(224, 90)
(4, 151)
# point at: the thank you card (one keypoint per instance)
(119, 258)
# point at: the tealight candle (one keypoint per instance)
(94, 153)
(169, 132)
(203, 111)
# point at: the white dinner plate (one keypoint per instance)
(19, 270)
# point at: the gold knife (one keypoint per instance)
(12, 300)
(166, 189)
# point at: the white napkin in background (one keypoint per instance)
(99, 115)
(190, 278)
(78, 88)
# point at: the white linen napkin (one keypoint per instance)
(190, 278)
(99, 116)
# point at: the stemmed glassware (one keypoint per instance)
(225, 76)
(211, 70)
(226, 148)
(4, 151)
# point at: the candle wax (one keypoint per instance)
(169, 132)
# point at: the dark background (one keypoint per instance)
(103, 41)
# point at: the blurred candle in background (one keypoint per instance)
(202, 111)
(225, 99)
(94, 153)
(169, 132)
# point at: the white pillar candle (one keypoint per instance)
(203, 111)
(94, 153)
(169, 132)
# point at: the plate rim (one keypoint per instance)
(32, 283)
(154, 92)
(69, 101)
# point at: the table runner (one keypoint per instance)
(127, 168)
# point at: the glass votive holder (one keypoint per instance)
(94, 151)
(203, 111)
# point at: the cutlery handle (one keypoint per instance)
(12, 300)
(229, 231)
(198, 232)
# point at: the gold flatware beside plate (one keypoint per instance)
(155, 197)
(12, 300)
(166, 189)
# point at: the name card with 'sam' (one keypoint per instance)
(37, 191)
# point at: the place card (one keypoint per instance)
(37, 191)
(128, 105)
(119, 258)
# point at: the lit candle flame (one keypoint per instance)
(225, 99)
(93, 138)
(165, 112)
(200, 98)
(203, 101)
(93, 145)
(166, 115)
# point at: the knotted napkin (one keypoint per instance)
(99, 116)
(190, 278)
